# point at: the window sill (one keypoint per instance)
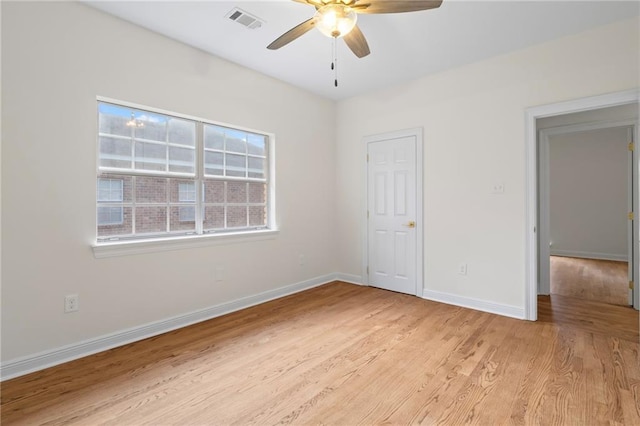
(125, 248)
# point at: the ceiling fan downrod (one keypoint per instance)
(334, 61)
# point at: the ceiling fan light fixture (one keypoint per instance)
(335, 20)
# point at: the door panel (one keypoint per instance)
(391, 195)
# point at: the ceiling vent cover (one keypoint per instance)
(246, 19)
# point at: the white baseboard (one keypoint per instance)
(350, 278)
(477, 304)
(589, 255)
(29, 364)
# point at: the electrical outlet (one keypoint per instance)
(301, 260)
(497, 188)
(71, 303)
(462, 269)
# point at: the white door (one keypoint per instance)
(391, 206)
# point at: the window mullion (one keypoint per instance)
(199, 178)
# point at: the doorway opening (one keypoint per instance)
(585, 196)
(588, 114)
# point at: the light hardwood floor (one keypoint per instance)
(590, 279)
(342, 354)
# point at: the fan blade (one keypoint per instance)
(292, 34)
(394, 6)
(314, 3)
(357, 43)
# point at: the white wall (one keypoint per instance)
(588, 193)
(473, 121)
(57, 57)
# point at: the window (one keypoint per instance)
(163, 175)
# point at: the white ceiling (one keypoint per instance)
(403, 46)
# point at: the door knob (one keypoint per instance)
(411, 224)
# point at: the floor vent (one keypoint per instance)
(248, 20)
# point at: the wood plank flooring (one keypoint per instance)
(341, 354)
(603, 281)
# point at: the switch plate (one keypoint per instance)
(462, 269)
(497, 188)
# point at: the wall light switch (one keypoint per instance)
(462, 269)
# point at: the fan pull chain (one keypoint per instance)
(334, 61)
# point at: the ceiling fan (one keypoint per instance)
(337, 18)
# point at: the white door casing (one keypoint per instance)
(394, 229)
(632, 222)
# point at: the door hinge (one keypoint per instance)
(367, 214)
(367, 270)
(630, 285)
(367, 158)
(630, 215)
(630, 146)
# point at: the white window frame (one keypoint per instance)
(124, 246)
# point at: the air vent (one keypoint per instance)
(246, 19)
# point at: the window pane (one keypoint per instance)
(236, 141)
(256, 167)
(236, 165)
(151, 219)
(110, 190)
(151, 156)
(121, 184)
(256, 144)
(236, 192)
(182, 132)
(213, 217)
(257, 215)
(122, 228)
(115, 152)
(110, 215)
(114, 124)
(213, 137)
(236, 216)
(182, 160)
(257, 192)
(182, 190)
(187, 192)
(151, 190)
(151, 126)
(183, 218)
(213, 163)
(213, 191)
